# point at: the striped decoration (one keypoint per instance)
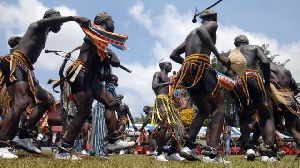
(100, 38)
(99, 130)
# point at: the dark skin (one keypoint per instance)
(32, 44)
(2, 109)
(160, 85)
(254, 54)
(33, 41)
(123, 111)
(202, 41)
(94, 90)
(161, 81)
(85, 130)
(153, 141)
(283, 77)
(148, 112)
(86, 125)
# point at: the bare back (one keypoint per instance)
(195, 43)
(281, 75)
(253, 54)
(33, 42)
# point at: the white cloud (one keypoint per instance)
(12, 18)
(170, 29)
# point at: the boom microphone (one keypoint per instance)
(48, 51)
(197, 13)
(194, 19)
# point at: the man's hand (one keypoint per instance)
(114, 64)
(114, 60)
(82, 21)
(224, 60)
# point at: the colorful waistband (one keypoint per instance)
(197, 57)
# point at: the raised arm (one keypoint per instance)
(58, 20)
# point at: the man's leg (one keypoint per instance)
(188, 151)
(217, 118)
(266, 124)
(267, 129)
(83, 102)
(203, 113)
(29, 130)
(173, 152)
(161, 140)
(84, 131)
(153, 142)
(106, 98)
(20, 100)
(47, 101)
(212, 153)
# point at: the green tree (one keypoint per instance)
(271, 57)
(139, 120)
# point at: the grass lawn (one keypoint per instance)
(46, 159)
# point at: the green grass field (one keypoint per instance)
(46, 159)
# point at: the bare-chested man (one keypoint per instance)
(164, 114)
(93, 63)
(24, 143)
(284, 81)
(18, 66)
(200, 79)
(123, 113)
(256, 90)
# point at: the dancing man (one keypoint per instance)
(164, 115)
(17, 69)
(92, 64)
(251, 88)
(200, 79)
(123, 113)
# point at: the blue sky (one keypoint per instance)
(155, 28)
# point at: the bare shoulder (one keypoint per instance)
(210, 26)
(33, 25)
(259, 48)
(157, 74)
(252, 48)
